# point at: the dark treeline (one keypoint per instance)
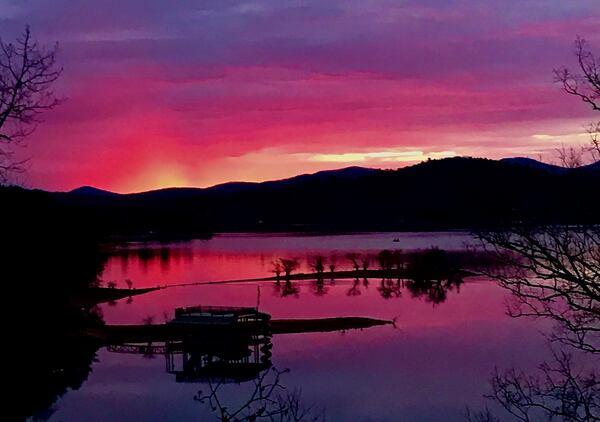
(440, 194)
(48, 254)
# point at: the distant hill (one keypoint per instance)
(437, 194)
(534, 164)
(91, 191)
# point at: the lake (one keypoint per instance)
(434, 362)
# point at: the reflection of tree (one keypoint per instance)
(269, 400)
(355, 289)
(389, 288)
(434, 291)
(319, 287)
(287, 288)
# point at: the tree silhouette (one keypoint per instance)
(365, 261)
(584, 84)
(332, 263)
(27, 73)
(559, 391)
(277, 269)
(354, 257)
(552, 272)
(269, 400)
(289, 266)
(385, 259)
(317, 264)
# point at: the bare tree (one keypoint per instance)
(27, 73)
(584, 84)
(552, 272)
(559, 392)
(269, 400)
(571, 157)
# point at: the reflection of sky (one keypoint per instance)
(435, 362)
(166, 93)
(246, 256)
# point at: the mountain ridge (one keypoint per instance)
(450, 193)
(350, 172)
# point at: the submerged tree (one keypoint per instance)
(277, 270)
(289, 266)
(386, 260)
(332, 263)
(317, 264)
(354, 258)
(27, 73)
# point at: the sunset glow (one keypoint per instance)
(170, 94)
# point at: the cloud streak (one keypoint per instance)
(164, 93)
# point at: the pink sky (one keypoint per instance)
(163, 93)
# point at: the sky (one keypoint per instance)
(195, 93)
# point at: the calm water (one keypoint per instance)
(436, 361)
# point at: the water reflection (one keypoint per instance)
(148, 255)
(217, 344)
(369, 356)
(428, 274)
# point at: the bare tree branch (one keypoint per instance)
(552, 272)
(27, 73)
